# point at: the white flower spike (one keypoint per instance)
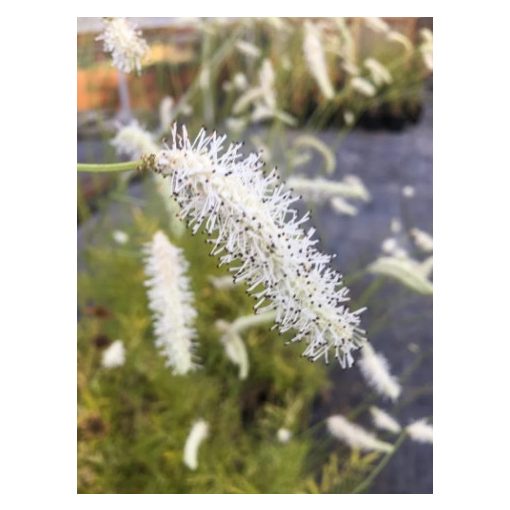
(316, 60)
(198, 433)
(382, 420)
(376, 371)
(250, 220)
(125, 43)
(171, 302)
(420, 431)
(114, 356)
(355, 436)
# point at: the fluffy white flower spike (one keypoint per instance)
(198, 433)
(134, 141)
(376, 371)
(316, 60)
(355, 436)
(114, 356)
(124, 42)
(252, 224)
(382, 420)
(171, 302)
(420, 431)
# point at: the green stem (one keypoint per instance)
(108, 167)
(365, 484)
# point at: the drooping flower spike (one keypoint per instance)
(125, 43)
(171, 301)
(252, 225)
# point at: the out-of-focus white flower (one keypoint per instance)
(221, 282)
(349, 118)
(240, 81)
(341, 206)
(120, 237)
(125, 43)
(379, 73)
(420, 431)
(248, 49)
(395, 225)
(166, 113)
(319, 189)
(363, 86)
(171, 301)
(316, 60)
(134, 141)
(355, 436)
(389, 245)
(422, 240)
(199, 432)
(377, 25)
(300, 159)
(426, 47)
(114, 355)
(350, 68)
(382, 420)
(408, 191)
(284, 435)
(250, 214)
(234, 347)
(376, 371)
(267, 77)
(401, 39)
(235, 125)
(317, 144)
(404, 269)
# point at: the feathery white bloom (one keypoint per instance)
(341, 206)
(234, 347)
(426, 47)
(124, 42)
(389, 245)
(363, 86)
(171, 302)
(267, 77)
(404, 269)
(355, 436)
(420, 431)
(382, 420)
(401, 39)
(120, 237)
(134, 141)
(248, 49)
(408, 191)
(323, 189)
(379, 73)
(221, 282)
(376, 371)
(377, 25)
(422, 240)
(114, 355)
(316, 60)
(317, 144)
(240, 81)
(199, 432)
(350, 68)
(166, 113)
(349, 117)
(284, 435)
(252, 217)
(235, 125)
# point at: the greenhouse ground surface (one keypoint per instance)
(386, 162)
